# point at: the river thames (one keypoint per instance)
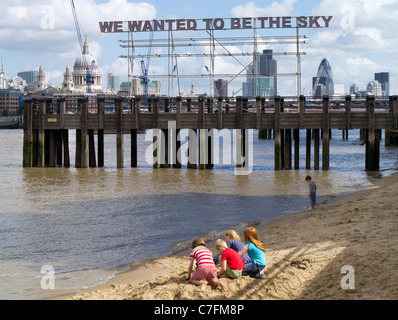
(85, 224)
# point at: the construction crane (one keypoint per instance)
(145, 66)
(89, 77)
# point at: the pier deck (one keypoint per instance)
(48, 121)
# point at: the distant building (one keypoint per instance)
(374, 88)
(113, 82)
(67, 83)
(338, 89)
(29, 75)
(40, 84)
(221, 88)
(80, 71)
(138, 89)
(353, 89)
(384, 79)
(3, 80)
(10, 100)
(322, 84)
(71, 101)
(264, 81)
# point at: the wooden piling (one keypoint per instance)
(326, 134)
(165, 144)
(192, 142)
(91, 149)
(177, 142)
(154, 103)
(51, 149)
(308, 149)
(288, 149)
(203, 155)
(372, 148)
(136, 110)
(100, 131)
(277, 134)
(65, 141)
(83, 104)
(296, 137)
(28, 133)
(41, 159)
(219, 113)
(119, 132)
(61, 158)
(315, 135)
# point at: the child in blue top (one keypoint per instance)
(254, 248)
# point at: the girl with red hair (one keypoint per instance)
(255, 249)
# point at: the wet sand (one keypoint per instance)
(306, 254)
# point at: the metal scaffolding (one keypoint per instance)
(216, 44)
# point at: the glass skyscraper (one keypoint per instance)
(384, 79)
(29, 76)
(265, 84)
(322, 84)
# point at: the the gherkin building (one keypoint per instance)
(322, 84)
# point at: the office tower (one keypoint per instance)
(374, 88)
(262, 77)
(384, 79)
(221, 88)
(29, 75)
(322, 84)
(113, 82)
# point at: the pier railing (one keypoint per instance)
(47, 121)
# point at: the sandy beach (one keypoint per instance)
(308, 255)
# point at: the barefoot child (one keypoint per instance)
(311, 191)
(206, 271)
(231, 262)
(255, 249)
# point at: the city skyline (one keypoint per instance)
(357, 44)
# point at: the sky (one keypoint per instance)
(360, 40)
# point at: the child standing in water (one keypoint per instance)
(255, 249)
(311, 191)
(206, 271)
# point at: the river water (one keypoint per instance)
(66, 229)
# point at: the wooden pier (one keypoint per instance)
(47, 123)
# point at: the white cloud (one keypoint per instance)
(250, 9)
(41, 27)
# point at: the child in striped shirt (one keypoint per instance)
(206, 271)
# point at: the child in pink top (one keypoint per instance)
(206, 271)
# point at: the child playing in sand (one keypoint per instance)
(231, 262)
(311, 191)
(255, 249)
(206, 271)
(232, 239)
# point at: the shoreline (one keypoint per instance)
(305, 253)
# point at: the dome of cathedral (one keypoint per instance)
(86, 56)
(80, 72)
(79, 63)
